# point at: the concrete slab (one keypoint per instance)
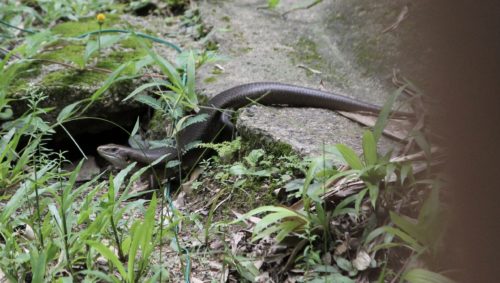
(313, 48)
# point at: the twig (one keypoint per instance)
(97, 69)
(407, 261)
(293, 256)
(401, 17)
(301, 8)
(413, 157)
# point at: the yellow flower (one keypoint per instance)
(100, 18)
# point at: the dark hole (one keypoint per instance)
(144, 9)
(88, 134)
(148, 8)
(87, 142)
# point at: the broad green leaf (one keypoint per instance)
(148, 227)
(344, 264)
(332, 278)
(137, 235)
(369, 148)
(190, 120)
(350, 157)
(274, 218)
(100, 275)
(260, 173)
(136, 128)
(90, 48)
(286, 228)
(254, 156)
(109, 255)
(120, 177)
(266, 232)
(341, 208)
(359, 199)
(374, 234)
(22, 194)
(406, 170)
(109, 81)
(246, 268)
(410, 227)
(326, 268)
(38, 265)
(373, 193)
(150, 101)
(420, 275)
(238, 170)
(166, 67)
(141, 88)
(384, 114)
(67, 111)
(405, 237)
(4, 142)
(190, 84)
(93, 46)
(55, 213)
(269, 209)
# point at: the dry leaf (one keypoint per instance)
(263, 277)
(188, 186)
(235, 240)
(314, 71)
(395, 128)
(28, 233)
(342, 248)
(362, 260)
(252, 219)
(217, 244)
(402, 15)
(218, 66)
(180, 202)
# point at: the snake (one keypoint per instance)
(215, 127)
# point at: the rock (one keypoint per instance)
(304, 130)
(263, 46)
(62, 85)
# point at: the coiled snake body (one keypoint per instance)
(213, 127)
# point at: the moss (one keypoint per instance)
(72, 78)
(87, 25)
(71, 52)
(306, 52)
(367, 56)
(254, 194)
(156, 126)
(63, 51)
(244, 50)
(217, 71)
(226, 19)
(273, 147)
(21, 71)
(211, 45)
(210, 80)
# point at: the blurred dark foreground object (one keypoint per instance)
(464, 75)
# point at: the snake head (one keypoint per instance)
(117, 155)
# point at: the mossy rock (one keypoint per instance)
(70, 80)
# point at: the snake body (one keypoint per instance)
(213, 127)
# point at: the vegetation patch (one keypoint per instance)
(341, 217)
